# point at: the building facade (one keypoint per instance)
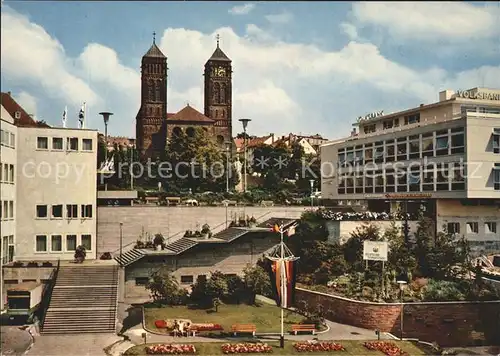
(56, 193)
(444, 156)
(154, 125)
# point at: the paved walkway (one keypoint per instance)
(14, 341)
(74, 345)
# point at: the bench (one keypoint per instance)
(267, 203)
(244, 328)
(296, 328)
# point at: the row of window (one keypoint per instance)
(490, 227)
(57, 143)
(7, 139)
(189, 279)
(437, 177)
(57, 211)
(56, 243)
(7, 173)
(6, 210)
(432, 144)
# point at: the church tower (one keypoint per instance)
(218, 94)
(151, 119)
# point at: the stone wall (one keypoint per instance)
(170, 221)
(229, 258)
(447, 323)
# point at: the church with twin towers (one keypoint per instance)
(155, 125)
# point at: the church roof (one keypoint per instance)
(154, 52)
(218, 55)
(190, 114)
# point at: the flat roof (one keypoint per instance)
(24, 287)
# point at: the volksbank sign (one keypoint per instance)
(470, 94)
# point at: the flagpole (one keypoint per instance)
(283, 287)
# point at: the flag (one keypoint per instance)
(291, 230)
(81, 116)
(64, 116)
(283, 277)
(111, 164)
(275, 228)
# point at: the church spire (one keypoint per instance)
(154, 37)
(218, 54)
(154, 51)
(218, 38)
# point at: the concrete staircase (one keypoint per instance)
(84, 300)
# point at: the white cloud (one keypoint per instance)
(458, 21)
(283, 87)
(27, 101)
(350, 30)
(242, 9)
(282, 18)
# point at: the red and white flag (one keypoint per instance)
(291, 230)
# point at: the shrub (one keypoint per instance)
(47, 264)
(205, 229)
(17, 264)
(80, 254)
(106, 256)
(159, 240)
(441, 291)
(32, 264)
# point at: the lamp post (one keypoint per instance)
(228, 145)
(312, 191)
(402, 280)
(121, 244)
(245, 124)
(105, 116)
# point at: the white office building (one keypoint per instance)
(444, 156)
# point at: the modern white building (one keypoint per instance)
(444, 155)
(49, 188)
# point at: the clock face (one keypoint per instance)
(220, 71)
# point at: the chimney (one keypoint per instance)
(272, 137)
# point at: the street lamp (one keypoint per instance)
(402, 280)
(245, 124)
(228, 145)
(121, 244)
(312, 191)
(105, 116)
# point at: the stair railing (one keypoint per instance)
(47, 293)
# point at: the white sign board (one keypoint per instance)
(375, 250)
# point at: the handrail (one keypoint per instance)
(47, 293)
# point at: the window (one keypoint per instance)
(141, 281)
(490, 227)
(369, 128)
(6, 172)
(388, 124)
(457, 140)
(41, 211)
(12, 140)
(86, 211)
(472, 227)
(11, 173)
(87, 242)
(56, 243)
(442, 177)
(457, 171)
(496, 140)
(70, 242)
(73, 144)
(11, 209)
(496, 180)
(414, 147)
(6, 209)
(187, 279)
(57, 143)
(442, 143)
(57, 211)
(42, 143)
(412, 119)
(17, 115)
(41, 243)
(453, 227)
(71, 211)
(427, 146)
(87, 144)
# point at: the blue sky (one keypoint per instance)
(308, 67)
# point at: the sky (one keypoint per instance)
(301, 67)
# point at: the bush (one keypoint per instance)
(159, 240)
(47, 264)
(17, 264)
(80, 254)
(32, 264)
(106, 256)
(442, 291)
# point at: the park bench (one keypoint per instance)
(296, 328)
(244, 328)
(267, 203)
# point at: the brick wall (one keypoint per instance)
(448, 324)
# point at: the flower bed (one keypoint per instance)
(246, 348)
(318, 346)
(171, 349)
(206, 327)
(388, 348)
(161, 324)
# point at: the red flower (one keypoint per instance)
(161, 324)
(388, 348)
(170, 349)
(318, 347)
(246, 348)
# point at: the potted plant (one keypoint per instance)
(252, 222)
(17, 264)
(47, 264)
(205, 231)
(197, 233)
(158, 242)
(107, 256)
(80, 254)
(139, 244)
(32, 264)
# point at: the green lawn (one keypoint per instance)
(352, 348)
(266, 317)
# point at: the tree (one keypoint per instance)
(164, 287)
(294, 168)
(353, 248)
(216, 288)
(257, 282)
(400, 257)
(101, 150)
